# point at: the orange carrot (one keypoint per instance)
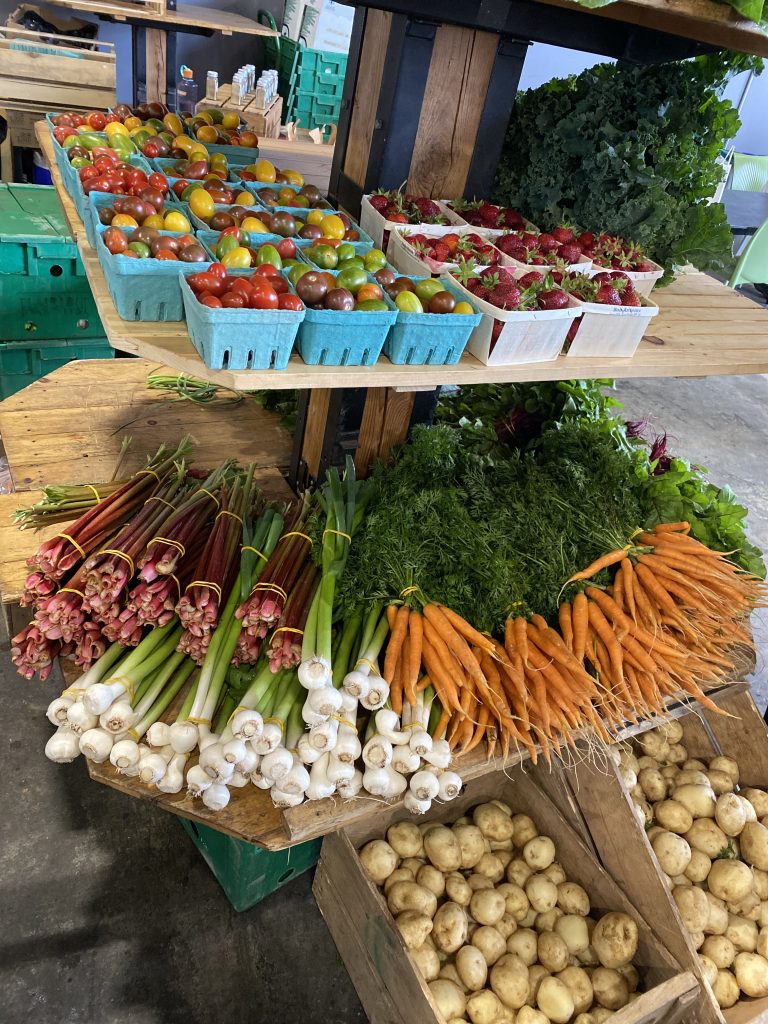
(519, 627)
(565, 618)
(464, 629)
(656, 589)
(681, 527)
(455, 642)
(423, 683)
(603, 629)
(480, 728)
(627, 573)
(618, 587)
(396, 638)
(580, 621)
(600, 563)
(415, 632)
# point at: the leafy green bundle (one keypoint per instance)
(628, 150)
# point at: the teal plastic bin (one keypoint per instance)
(245, 872)
(24, 362)
(431, 339)
(44, 292)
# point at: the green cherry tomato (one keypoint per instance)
(225, 245)
(372, 306)
(238, 258)
(324, 256)
(374, 260)
(355, 262)
(269, 254)
(141, 248)
(353, 279)
(79, 161)
(427, 288)
(346, 251)
(408, 302)
(297, 270)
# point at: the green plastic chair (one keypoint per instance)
(750, 173)
(752, 267)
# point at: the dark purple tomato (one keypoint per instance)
(312, 288)
(193, 254)
(153, 196)
(164, 242)
(442, 302)
(268, 196)
(312, 192)
(146, 235)
(197, 170)
(400, 284)
(385, 277)
(239, 213)
(313, 231)
(106, 213)
(221, 220)
(338, 298)
(283, 224)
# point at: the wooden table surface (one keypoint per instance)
(703, 329)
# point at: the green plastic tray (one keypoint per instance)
(44, 292)
(23, 362)
(245, 872)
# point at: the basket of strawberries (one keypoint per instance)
(613, 315)
(381, 211)
(526, 315)
(562, 249)
(440, 250)
(482, 214)
(612, 253)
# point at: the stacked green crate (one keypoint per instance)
(315, 86)
(47, 313)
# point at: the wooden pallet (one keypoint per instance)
(626, 854)
(265, 121)
(387, 980)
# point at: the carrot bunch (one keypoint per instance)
(665, 628)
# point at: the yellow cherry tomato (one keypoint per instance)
(230, 120)
(264, 170)
(132, 122)
(317, 217)
(294, 178)
(124, 220)
(463, 307)
(176, 221)
(184, 142)
(154, 220)
(238, 257)
(244, 199)
(205, 115)
(116, 128)
(253, 224)
(333, 226)
(201, 204)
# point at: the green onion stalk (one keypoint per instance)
(342, 500)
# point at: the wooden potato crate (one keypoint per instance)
(624, 849)
(265, 121)
(381, 967)
(40, 72)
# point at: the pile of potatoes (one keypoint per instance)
(496, 929)
(712, 847)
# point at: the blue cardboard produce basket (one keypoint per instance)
(98, 200)
(81, 199)
(240, 339)
(330, 337)
(434, 339)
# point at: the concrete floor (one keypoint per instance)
(110, 916)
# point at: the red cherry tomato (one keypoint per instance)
(280, 285)
(287, 248)
(165, 254)
(290, 301)
(180, 186)
(234, 231)
(158, 181)
(211, 300)
(77, 120)
(205, 282)
(234, 300)
(110, 118)
(95, 185)
(241, 285)
(264, 295)
(218, 270)
(89, 171)
(115, 241)
(268, 270)
(104, 164)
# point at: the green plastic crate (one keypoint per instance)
(313, 111)
(245, 872)
(23, 362)
(44, 292)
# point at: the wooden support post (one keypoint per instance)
(156, 65)
(386, 419)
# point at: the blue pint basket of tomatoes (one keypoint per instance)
(434, 337)
(145, 286)
(348, 317)
(242, 320)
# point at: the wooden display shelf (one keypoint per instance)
(185, 15)
(703, 329)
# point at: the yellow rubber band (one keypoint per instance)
(205, 583)
(364, 661)
(276, 721)
(92, 488)
(156, 497)
(249, 547)
(126, 684)
(154, 474)
(339, 533)
(226, 512)
(412, 725)
(409, 590)
(120, 554)
(71, 590)
(199, 721)
(297, 533)
(271, 586)
(288, 629)
(211, 496)
(72, 542)
(132, 732)
(239, 708)
(73, 691)
(176, 581)
(342, 721)
(167, 540)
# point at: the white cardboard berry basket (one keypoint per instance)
(642, 283)
(582, 266)
(374, 224)
(404, 257)
(535, 336)
(497, 232)
(611, 331)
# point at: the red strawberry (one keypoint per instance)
(573, 329)
(379, 202)
(547, 243)
(620, 280)
(563, 235)
(630, 298)
(397, 217)
(510, 219)
(506, 295)
(607, 296)
(553, 298)
(643, 267)
(496, 330)
(488, 213)
(509, 244)
(440, 252)
(569, 253)
(451, 240)
(603, 277)
(529, 239)
(557, 276)
(586, 238)
(532, 277)
(539, 261)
